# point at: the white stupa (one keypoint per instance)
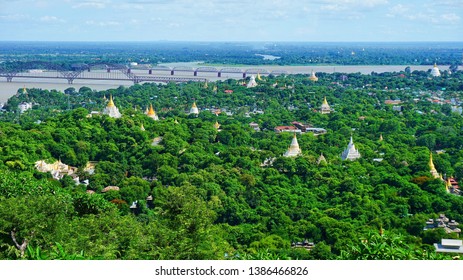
(350, 153)
(325, 109)
(194, 109)
(293, 149)
(435, 71)
(252, 82)
(111, 109)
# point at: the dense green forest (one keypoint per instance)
(212, 197)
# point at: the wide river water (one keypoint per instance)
(9, 89)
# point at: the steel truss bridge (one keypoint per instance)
(45, 70)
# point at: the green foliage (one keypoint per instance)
(210, 195)
(387, 247)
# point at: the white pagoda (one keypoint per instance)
(325, 109)
(252, 82)
(293, 149)
(350, 153)
(435, 71)
(194, 109)
(111, 109)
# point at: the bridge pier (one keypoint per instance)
(9, 79)
(244, 75)
(219, 74)
(150, 71)
(129, 70)
(172, 72)
(195, 73)
(70, 81)
(108, 70)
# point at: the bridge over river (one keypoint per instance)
(119, 72)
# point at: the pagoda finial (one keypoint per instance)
(324, 101)
(381, 137)
(151, 110)
(111, 102)
(431, 163)
(216, 125)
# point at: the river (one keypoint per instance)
(9, 89)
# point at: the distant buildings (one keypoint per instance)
(298, 127)
(286, 128)
(449, 226)
(254, 126)
(57, 169)
(449, 246)
(392, 102)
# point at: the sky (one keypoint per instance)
(232, 20)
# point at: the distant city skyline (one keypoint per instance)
(232, 20)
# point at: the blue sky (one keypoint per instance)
(231, 20)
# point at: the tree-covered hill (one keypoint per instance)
(204, 193)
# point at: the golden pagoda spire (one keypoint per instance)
(151, 111)
(381, 137)
(324, 101)
(24, 90)
(205, 84)
(111, 102)
(216, 125)
(142, 127)
(432, 168)
(431, 163)
(258, 77)
(448, 184)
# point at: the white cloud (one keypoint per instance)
(51, 19)
(450, 18)
(98, 4)
(353, 4)
(102, 23)
(398, 10)
(14, 17)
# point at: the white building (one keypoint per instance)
(293, 149)
(350, 153)
(449, 246)
(435, 71)
(194, 109)
(24, 106)
(111, 109)
(252, 82)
